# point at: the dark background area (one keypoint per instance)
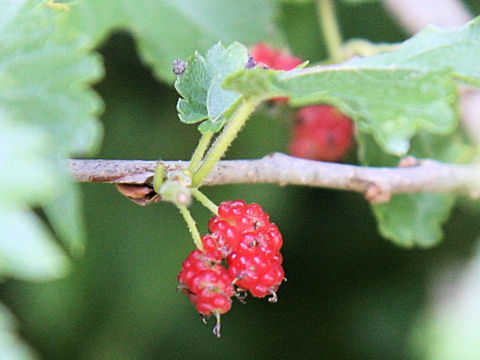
(350, 294)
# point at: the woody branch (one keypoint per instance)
(377, 183)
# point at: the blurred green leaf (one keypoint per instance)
(45, 76)
(450, 327)
(27, 250)
(390, 104)
(64, 212)
(11, 346)
(47, 113)
(392, 95)
(166, 30)
(200, 86)
(414, 219)
(435, 49)
(27, 174)
(257, 82)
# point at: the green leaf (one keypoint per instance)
(27, 173)
(166, 30)
(27, 250)
(414, 219)
(448, 327)
(11, 346)
(47, 113)
(200, 86)
(44, 77)
(435, 49)
(391, 104)
(62, 209)
(392, 95)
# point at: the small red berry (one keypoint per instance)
(275, 59)
(225, 233)
(286, 62)
(208, 285)
(212, 303)
(243, 237)
(214, 248)
(199, 261)
(264, 54)
(268, 282)
(242, 216)
(321, 133)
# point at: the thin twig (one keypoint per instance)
(378, 183)
(329, 27)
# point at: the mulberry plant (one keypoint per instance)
(241, 235)
(390, 110)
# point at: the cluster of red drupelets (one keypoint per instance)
(243, 238)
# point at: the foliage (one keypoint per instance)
(414, 219)
(48, 114)
(183, 26)
(393, 97)
(403, 102)
(11, 348)
(203, 97)
(412, 74)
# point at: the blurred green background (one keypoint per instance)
(350, 294)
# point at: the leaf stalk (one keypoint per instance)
(200, 151)
(223, 141)
(330, 29)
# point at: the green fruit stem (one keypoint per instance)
(192, 226)
(329, 26)
(158, 177)
(200, 150)
(223, 141)
(204, 200)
